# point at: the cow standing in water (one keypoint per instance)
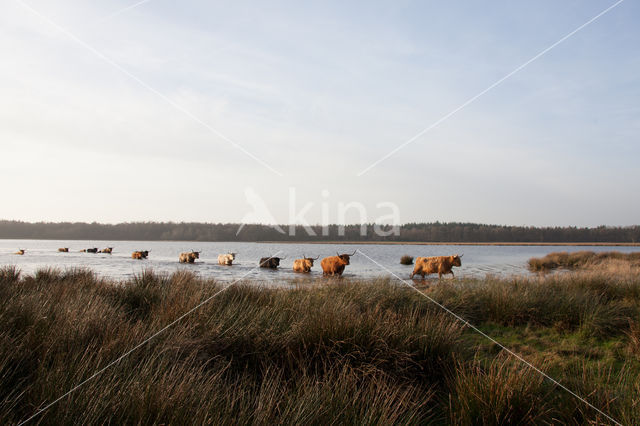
(189, 257)
(226, 259)
(335, 265)
(439, 264)
(270, 262)
(140, 254)
(304, 265)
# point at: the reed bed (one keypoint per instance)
(581, 259)
(330, 351)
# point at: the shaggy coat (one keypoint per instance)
(226, 259)
(270, 262)
(189, 257)
(335, 265)
(303, 265)
(140, 254)
(438, 264)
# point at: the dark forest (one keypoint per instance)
(411, 232)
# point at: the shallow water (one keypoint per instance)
(478, 261)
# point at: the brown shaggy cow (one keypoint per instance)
(107, 250)
(335, 265)
(140, 254)
(189, 257)
(438, 264)
(20, 252)
(304, 265)
(64, 250)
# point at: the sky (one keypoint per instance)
(193, 110)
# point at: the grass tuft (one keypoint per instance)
(9, 275)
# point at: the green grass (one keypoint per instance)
(330, 351)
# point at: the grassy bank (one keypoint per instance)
(585, 260)
(335, 351)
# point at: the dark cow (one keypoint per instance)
(335, 265)
(92, 250)
(438, 264)
(270, 262)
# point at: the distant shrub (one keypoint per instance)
(406, 260)
(579, 259)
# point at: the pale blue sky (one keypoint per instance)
(319, 92)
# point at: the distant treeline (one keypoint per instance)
(411, 232)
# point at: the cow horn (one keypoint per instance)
(317, 257)
(337, 254)
(460, 255)
(354, 252)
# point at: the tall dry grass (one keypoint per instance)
(336, 352)
(582, 259)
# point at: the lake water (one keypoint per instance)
(478, 261)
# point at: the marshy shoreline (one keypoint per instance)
(341, 350)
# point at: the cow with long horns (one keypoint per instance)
(335, 265)
(304, 265)
(270, 262)
(438, 264)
